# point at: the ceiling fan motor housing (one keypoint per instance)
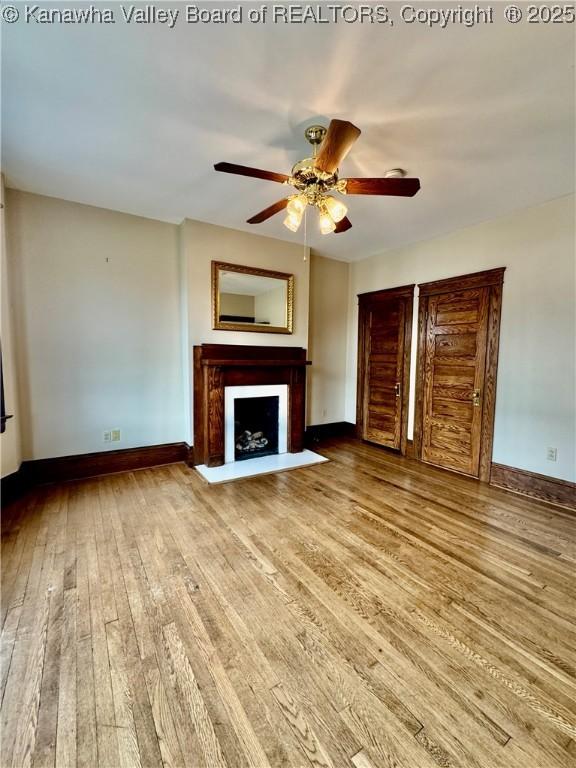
(313, 182)
(308, 178)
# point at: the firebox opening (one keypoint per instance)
(255, 427)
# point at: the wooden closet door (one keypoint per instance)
(454, 377)
(385, 317)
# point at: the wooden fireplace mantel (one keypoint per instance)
(217, 366)
(259, 363)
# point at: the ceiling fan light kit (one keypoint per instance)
(316, 178)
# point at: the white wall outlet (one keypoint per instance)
(115, 435)
(106, 436)
(552, 454)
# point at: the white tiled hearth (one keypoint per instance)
(264, 465)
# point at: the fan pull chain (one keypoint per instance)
(305, 232)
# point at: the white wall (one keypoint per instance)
(10, 443)
(108, 306)
(236, 304)
(203, 243)
(98, 321)
(270, 306)
(536, 392)
(327, 350)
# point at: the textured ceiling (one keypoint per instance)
(133, 117)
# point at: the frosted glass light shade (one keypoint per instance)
(335, 208)
(293, 221)
(296, 205)
(327, 224)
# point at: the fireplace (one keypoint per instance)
(255, 427)
(255, 421)
(225, 373)
(249, 404)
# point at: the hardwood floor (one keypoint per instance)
(371, 611)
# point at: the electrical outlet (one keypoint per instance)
(106, 436)
(115, 435)
(552, 454)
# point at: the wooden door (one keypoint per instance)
(385, 322)
(454, 379)
(458, 345)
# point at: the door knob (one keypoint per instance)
(397, 389)
(476, 398)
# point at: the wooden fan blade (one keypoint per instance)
(343, 225)
(256, 173)
(337, 143)
(399, 187)
(268, 212)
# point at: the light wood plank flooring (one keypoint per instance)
(366, 612)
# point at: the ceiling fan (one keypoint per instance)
(316, 177)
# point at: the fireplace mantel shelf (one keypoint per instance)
(260, 363)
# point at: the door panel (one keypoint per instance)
(449, 345)
(457, 312)
(453, 410)
(384, 373)
(382, 361)
(454, 371)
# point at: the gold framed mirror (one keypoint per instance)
(251, 299)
